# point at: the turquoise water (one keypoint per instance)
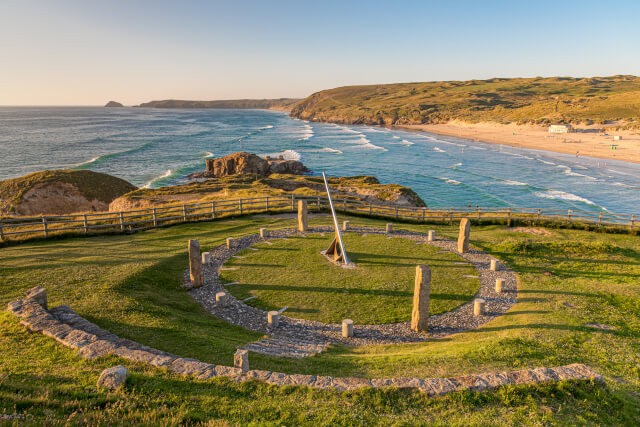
(155, 147)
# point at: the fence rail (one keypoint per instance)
(141, 219)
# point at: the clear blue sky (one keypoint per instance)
(88, 52)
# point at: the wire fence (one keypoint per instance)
(142, 219)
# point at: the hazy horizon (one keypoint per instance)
(71, 53)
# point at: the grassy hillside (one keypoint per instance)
(93, 185)
(501, 100)
(280, 103)
(129, 284)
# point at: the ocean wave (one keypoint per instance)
(561, 195)
(438, 150)
(266, 127)
(515, 183)
(570, 172)
(286, 154)
(546, 162)
(395, 137)
(207, 155)
(407, 143)
(167, 174)
(456, 165)
(449, 180)
(105, 157)
(331, 150)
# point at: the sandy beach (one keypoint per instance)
(586, 141)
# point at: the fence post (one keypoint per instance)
(293, 202)
(633, 220)
(569, 216)
(121, 221)
(267, 204)
(450, 216)
(478, 211)
(600, 219)
(44, 226)
(508, 217)
(155, 219)
(86, 229)
(240, 206)
(344, 205)
(318, 203)
(539, 212)
(184, 213)
(370, 209)
(396, 212)
(1, 232)
(424, 214)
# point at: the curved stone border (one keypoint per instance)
(72, 330)
(300, 338)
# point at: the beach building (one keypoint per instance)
(559, 128)
(617, 137)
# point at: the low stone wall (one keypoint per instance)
(65, 326)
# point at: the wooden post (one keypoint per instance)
(424, 214)
(86, 229)
(370, 209)
(213, 209)
(195, 263)
(451, 216)
(121, 221)
(509, 217)
(396, 212)
(240, 206)
(569, 216)
(600, 219)
(155, 219)
(463, 236)
(539, 212)
(1, 232)
(303, 221)
(267, 204)
(344, 205)
(478, 211)
(184, 213)
(633, 220)
(318, 204)
(44, 226)
(421, 294)
(293, 203)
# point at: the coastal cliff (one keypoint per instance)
(269, 104)
(112, 104)
(58, 192)
(536, 101)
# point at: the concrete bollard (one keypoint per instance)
(421, 294)
(195, 264)
(229, 242)
(263, 233)
(39, 295)
(303, 217)
(206, 257)
(345, 226)
(241, 360)
(389, 228)
(347, 328)
(499, 285)
(273, 319)
(431, 236)
(463, 236)
(478, 307)
(222, 299)
(494, 265)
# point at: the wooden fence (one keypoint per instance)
(141, 219)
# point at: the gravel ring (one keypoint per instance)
(294, 331)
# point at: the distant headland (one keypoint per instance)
(283, 104)
(113, 104)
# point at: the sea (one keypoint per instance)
(159, 147)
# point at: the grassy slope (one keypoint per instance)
(533, 100)
(93, 185)
(130, 285)
(379, 289)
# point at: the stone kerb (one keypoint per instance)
(68, 328)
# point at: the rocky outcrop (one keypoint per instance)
(113, 378)
(60, 192)
(247, 163)
(113, 104)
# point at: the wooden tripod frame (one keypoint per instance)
(335, 250)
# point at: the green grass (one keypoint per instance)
(532, 100)
(379, 289)
(130, 284)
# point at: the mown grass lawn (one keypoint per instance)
(378, 289)
(131, 286)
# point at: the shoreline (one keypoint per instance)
(587, 142)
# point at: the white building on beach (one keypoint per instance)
(559, 128)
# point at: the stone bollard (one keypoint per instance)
(222, 299)
(229, 242)
(499, 285)
(263, 233)
(431, 236)
(421, 294)
(494, 265)
(39, 295)
(273, 319)
(345, 226)
(303, 217)
(206, 257)
(478, 307)
(463, 236)
(389, 228)
(113, 378)
(347, 328)
(241, 360)
(195, 264)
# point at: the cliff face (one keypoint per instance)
(248, 163)
(58, 192)
(521, 101)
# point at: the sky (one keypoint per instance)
(89, 52)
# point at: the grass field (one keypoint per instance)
(130, 285)
(501, 100)
(379, 289)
